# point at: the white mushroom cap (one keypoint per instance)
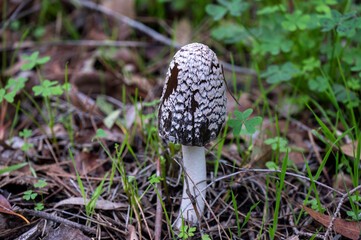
(193, 103)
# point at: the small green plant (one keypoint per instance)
(206, 237)
(33, 61)
(241, 120)
(186, 232)
(278, 74)
(32, 195)
(11, 88)
(277, 143)
(314, 205)
(26, 133)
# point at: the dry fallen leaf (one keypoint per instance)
(348, 229)
(350, 149)
(132, 233)
(100, 204)
(5, 207)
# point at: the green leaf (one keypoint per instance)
(27, 146)
(319, 84)
(43, 60)
(41, 183)
(310, 64)
(12, 168)
(276, 74)
(29, 195)
(33, 56)
(216, 11)
(100, 134)
(273, 44)
(354, 84)
(206, 237)
(25, 133)
(39, 206)
(155, 179)
(33, 61)
(342, 95)
(11, 83)
(229, 33)
(271, 9)
(2, 94)
(345, 24)
(277, 143)
(66, 87)
(48, 88)
(235, 7)
(28, 66)
(295, 21)
(252, 123)
(272, 165)
(10, 96)
(241, 119)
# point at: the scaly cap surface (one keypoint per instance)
(193, 103)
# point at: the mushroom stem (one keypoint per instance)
(194, 164)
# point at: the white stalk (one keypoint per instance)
(194, 164)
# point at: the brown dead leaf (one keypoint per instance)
(350, 149)
(348, 229)
(5, 207)
(132, 233)
(100, 204)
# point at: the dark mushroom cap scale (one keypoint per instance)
(193, 103)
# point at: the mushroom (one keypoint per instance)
(192, 112)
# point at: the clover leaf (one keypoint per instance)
(354, 84)
(342, 94)
(235, 8)
(41, 183)
(241, 120)
(9, 97)
(271, 9)
(29, 195)
(25, 133)
(155, 179)
(277, 143)
(345, 24)
(310, 64)
(277, 74)
(229, 33)
(100, 134)
(318, 84)
(216, 11)
(48, 88)
(296, 20)
(33, 60)
(273, 45)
